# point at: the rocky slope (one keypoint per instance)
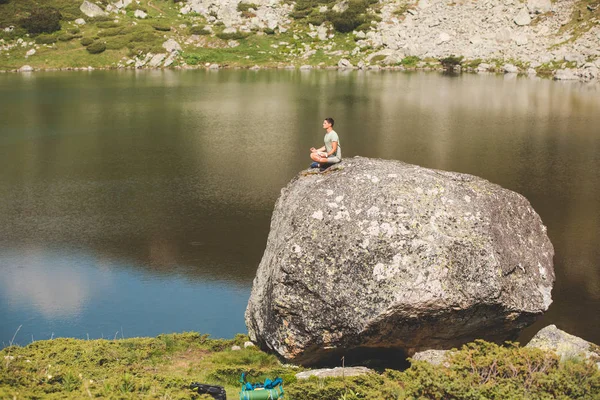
(559, 39)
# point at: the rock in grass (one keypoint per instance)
(171, 46)
(565, 345)
(383, 254)
(140, 14)
(26, 68)
(337, 372)
(92, 10)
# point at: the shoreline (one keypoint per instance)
(370, 68)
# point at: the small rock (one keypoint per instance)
(522, 18)
(323, 9)
(344, 63)
(235, 348)
(213, 66)
(171, 46)
(334, 372)
(254, 68)
(520, 39)
(565, 75)
(360, 35)
(140, 14)
(510, 69)
(443, 38)
(26, 68)
(539, 6)
(434, 357)
(531, 72)
(156, 60)
(30, 53)
(483, 67)
(80, 21)
(248, 344)
(564, 345)
(306, 67)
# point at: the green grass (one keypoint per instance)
(163, 367)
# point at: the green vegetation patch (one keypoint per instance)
(163, 367)
(42, 20)
(241, 7)
(96, 47)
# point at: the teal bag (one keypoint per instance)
(270, 390)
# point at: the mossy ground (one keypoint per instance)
(163, 368)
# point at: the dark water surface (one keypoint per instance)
(137, 203)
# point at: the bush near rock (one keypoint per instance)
(86, 41)
(383, 254)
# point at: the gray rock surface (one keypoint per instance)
(171, 46)
(337, 372)
(26, 68)
(565, 345)
(92, 10)
(384, 254)
(435, 357)
(523, 18)
(140, 14)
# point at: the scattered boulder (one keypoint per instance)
(344, 63)
(140, 14)
(213, 66)
(248, 344)
(235, 348)
(80, 21)
(565, 345)
(337, 372)
(157, 60)
(26, 68)
(443, 38)
(92, 10)
(483, 67)
(434, 357)
(510, 69)
(171, 46)
(566, 74)
(120, 4)
(30, 53)
(522, 18)
(539, 6)
(383, 254)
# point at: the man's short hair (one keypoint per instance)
(330, 120)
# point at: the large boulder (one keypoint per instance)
(92, 10)
(383, 254)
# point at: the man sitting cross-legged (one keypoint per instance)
(329, 154)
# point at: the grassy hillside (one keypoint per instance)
(163, 367)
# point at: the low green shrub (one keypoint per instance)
(96, 47)
(161, 27)
(86, 41)
(121, 30)
(410, 61)
(246, 6)
(451, 61)
(74, 31)
(232, 35)
(198, 30)
(65, 37)
(42, 20)
(100, 18)
(46, 39)
(107, 24)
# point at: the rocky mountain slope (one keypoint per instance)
(560, 39)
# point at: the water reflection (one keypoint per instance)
(167, 176)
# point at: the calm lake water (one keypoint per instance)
(138, 203)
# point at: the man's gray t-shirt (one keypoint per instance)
(333, 137)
